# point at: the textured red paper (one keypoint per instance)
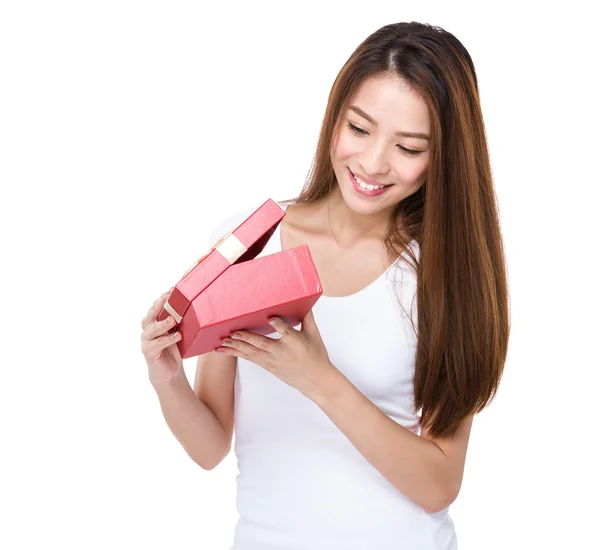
(253, 233)
(284, 284)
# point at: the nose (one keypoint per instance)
(373, 161)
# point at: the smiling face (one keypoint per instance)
(371, 144)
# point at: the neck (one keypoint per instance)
(350, 227)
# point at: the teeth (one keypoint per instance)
(366, 185)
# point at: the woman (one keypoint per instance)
(352, 432)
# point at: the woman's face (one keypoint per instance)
(382, 107)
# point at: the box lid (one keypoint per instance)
(243, 243)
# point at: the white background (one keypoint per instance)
(128, 130)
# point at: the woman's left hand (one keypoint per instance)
(298, 358)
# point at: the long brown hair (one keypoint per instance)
(462, 293)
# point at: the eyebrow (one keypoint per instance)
(418, 135)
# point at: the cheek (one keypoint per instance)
(413, 171)
(415, 175)
(345, 147)
(411, 177)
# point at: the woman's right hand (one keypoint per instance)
(158, 346)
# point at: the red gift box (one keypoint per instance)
(230, 289)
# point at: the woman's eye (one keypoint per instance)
(355, 129)
(361, 132)
(409, 152)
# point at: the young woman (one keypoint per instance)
(352, 432)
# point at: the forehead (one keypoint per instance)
(392, 103)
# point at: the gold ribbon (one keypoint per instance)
(230, 247)
(170, 309)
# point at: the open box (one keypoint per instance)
(230, 289)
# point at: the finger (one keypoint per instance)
(250, 342)
(157, 328)
(281, 326)
(152, 348)
(155, 309)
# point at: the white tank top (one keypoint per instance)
(302, 485)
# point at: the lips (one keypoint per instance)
(368, 182)
(363, 191)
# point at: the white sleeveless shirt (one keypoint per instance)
(302, 485)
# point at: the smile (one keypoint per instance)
(365, 189)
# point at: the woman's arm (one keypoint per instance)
(426, 470)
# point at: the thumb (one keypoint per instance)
(308, 323)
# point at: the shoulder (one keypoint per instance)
(415, 248)
(406, 257)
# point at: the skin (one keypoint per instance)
(377, 155)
